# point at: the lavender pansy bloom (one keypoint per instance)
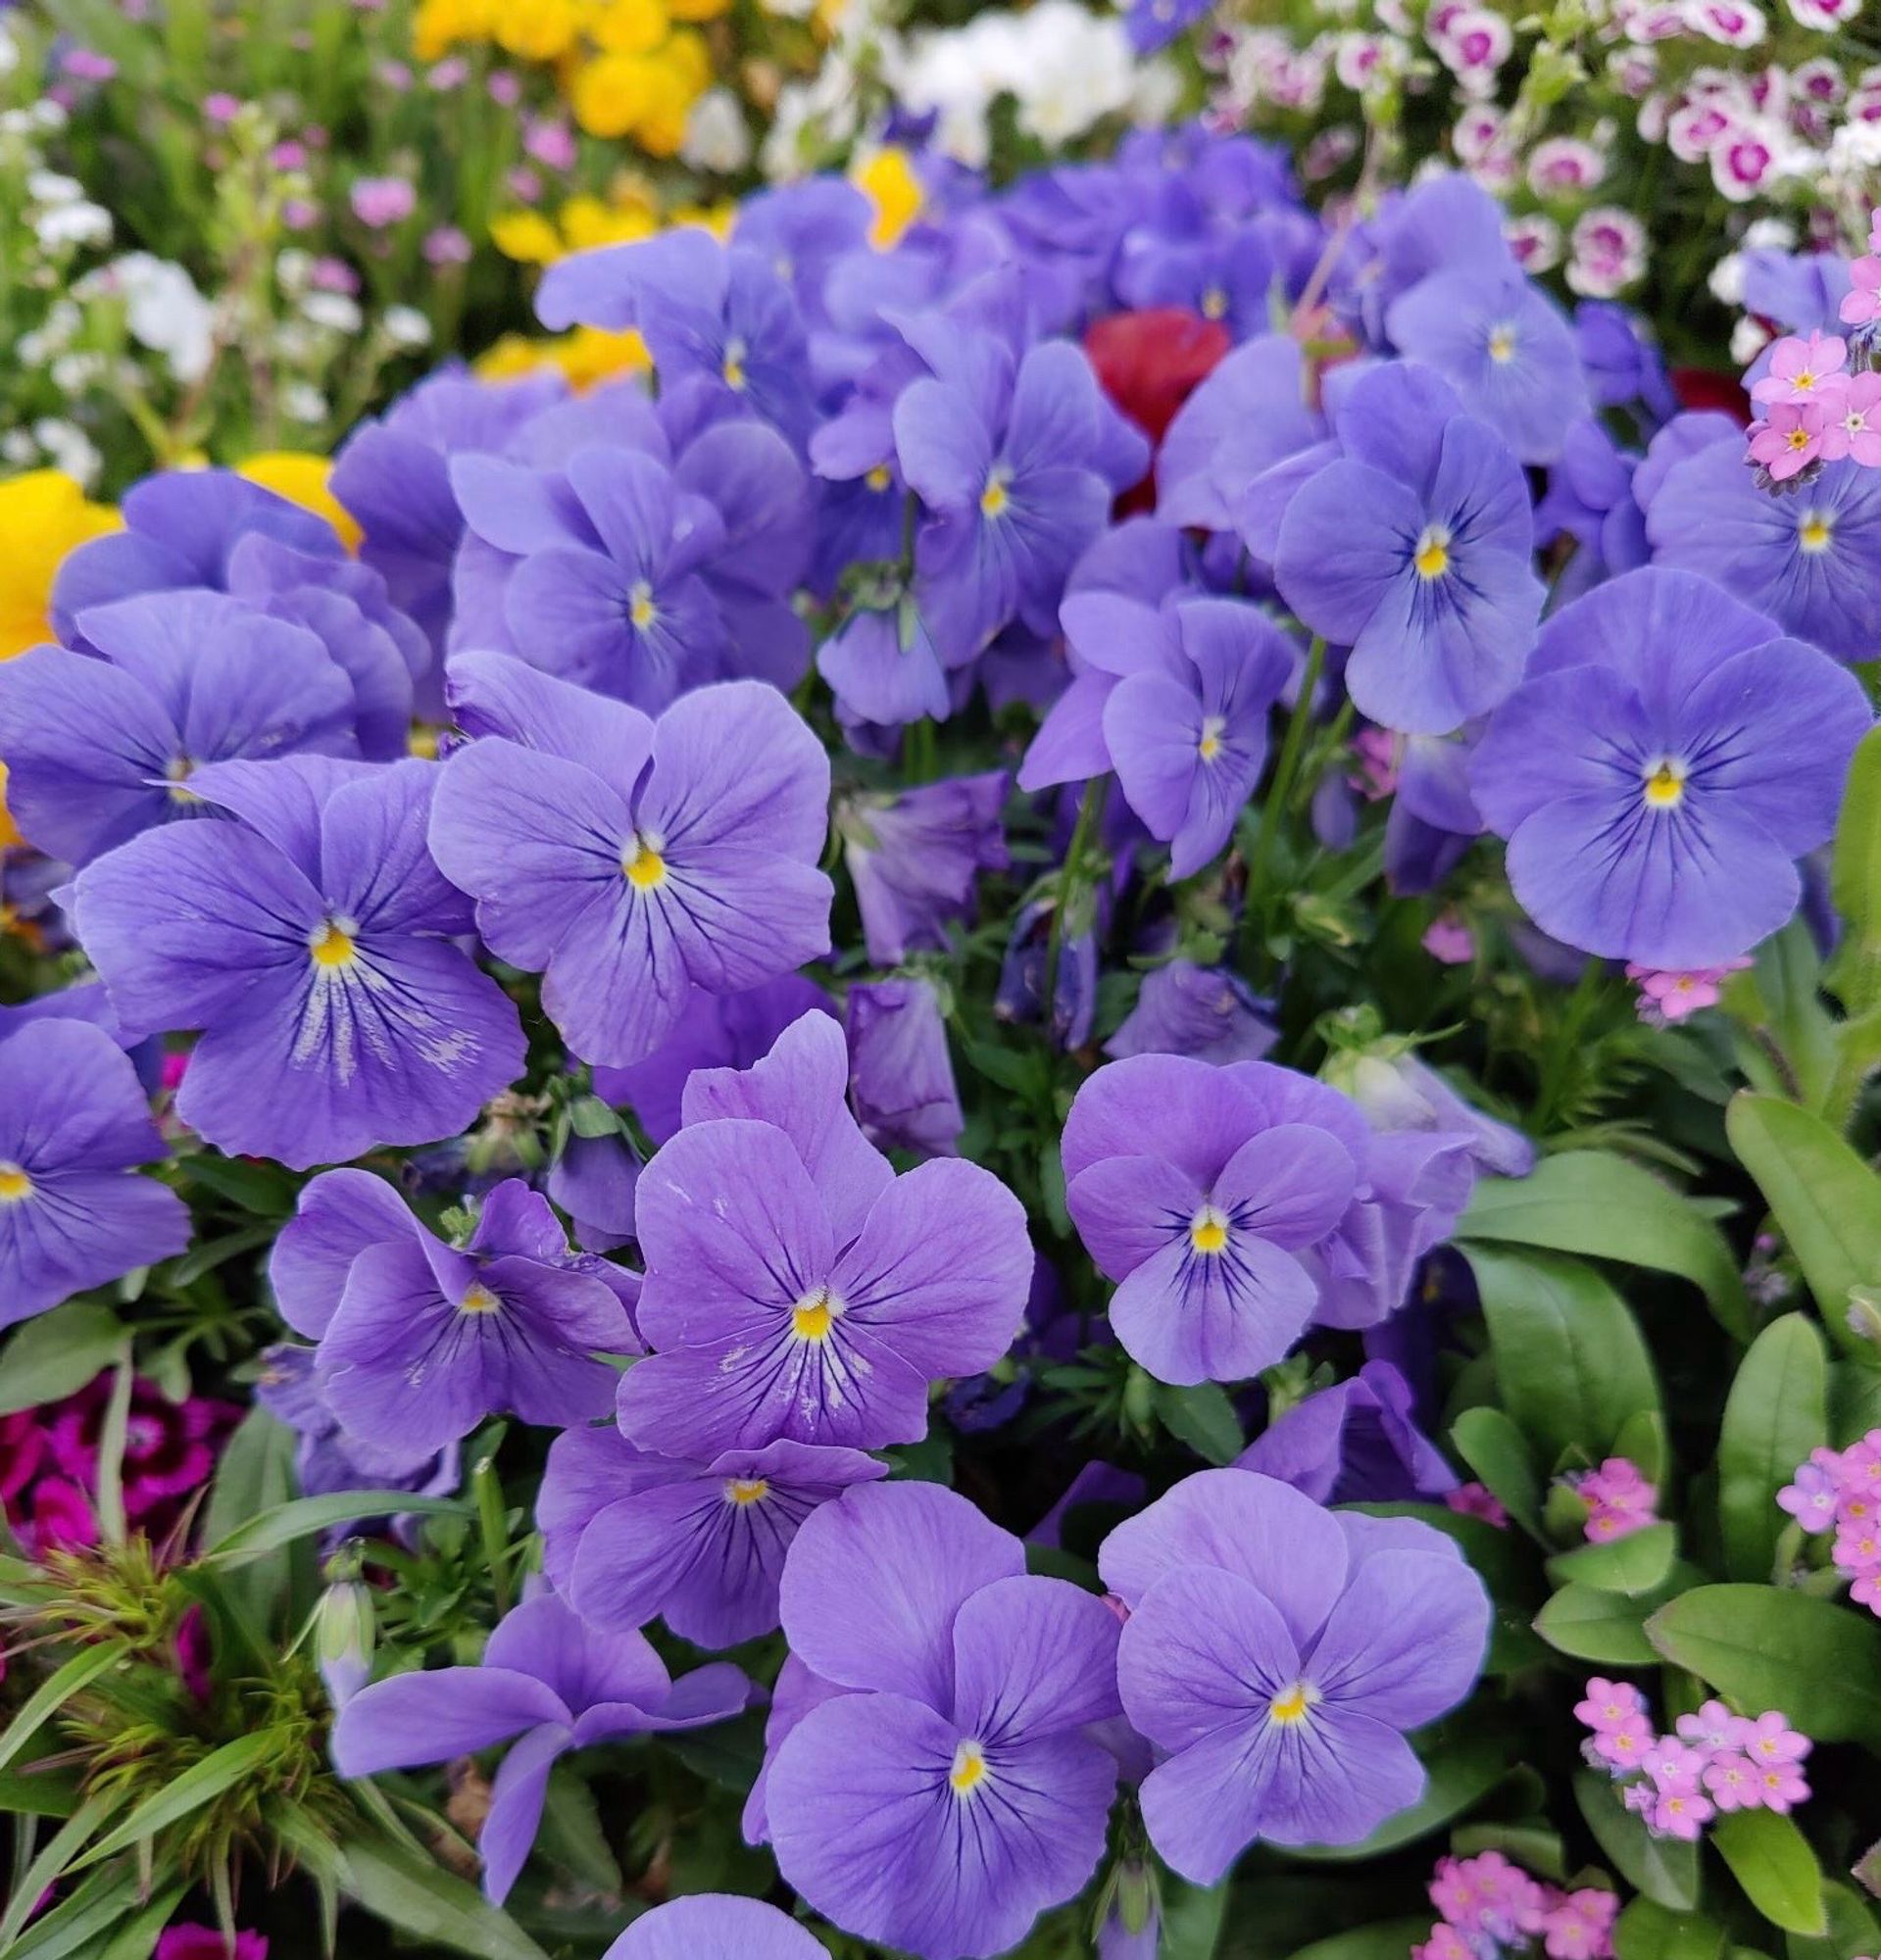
(629, 861)
(1670, 759)
(1399, 1093)
(946, 1790)
(423, 1340)
(1197, 1188)
(796, 1287)
(550, 1684)
(901, 1074)
(1023, 973)
(1152, 25)
(1278, 1652)
(73, 1128)
(1204, 1012)
(181, 528)
(593, 1180)
(1414, 550)
(715, 1926)
(713, 1031)
(1505, 348)
(1623, 365)
(914, 860)
(310, 941)
(1811, 559)
(1354, 1443)
(101, 746)
(1590, 499)
(630, 1536)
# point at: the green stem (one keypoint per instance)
(1280, 792)
(1089, 811)
(1566, 1042)
(492, 1523)
(111, 1451)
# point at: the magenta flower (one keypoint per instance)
(1803, 371)
(1790, 437)
(1611, 1706)
(1861, 303)
(382, 202)
(1852, 425)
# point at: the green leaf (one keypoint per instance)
(1647, 1931)
(1642, 1442)
(1761, 1648)
(1192, 1918)
(1635, 1564)
(1461, 1767)
(1390, 1940)
(430, 1903)
(53, 1857)
(137, 1939)
(1776, 1414)
(263, 1188)
(571, 1833)
(727, 1753)
(74, 1928)
(1203, 1418)
(1854, 882)
(52, 1694)
(1609, 1208)
(256, 1474)
(1852, 1930)
(1771, 1859)
(1609, 1627)
(1826, 1200)
(38, 1793)
(1663, 1869)
(209, 1254)
(1570, 1364)
(57, 1354)
(200, 1784)
(282, 1524)
(1495, 1448)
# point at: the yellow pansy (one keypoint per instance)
(587, 222)
(888, 180)
(440, 24)
(528, 237)
(586, 356)
(301, 480)
(43, 515)
(612, 93)
(540, 31)
(629, 27)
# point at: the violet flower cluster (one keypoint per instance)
(1489, 1907)
(1839, 1490)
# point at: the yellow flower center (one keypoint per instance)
(734, 367)
(646, 868)
(1798, 438)
(1432, 558)
(878, 478)
(332, 947)
(1664, 785)
(1211, 744)
(641, 610)
(1813, 531)
(1289, 1705)
(969, 1769)
(993, 499)
(15, 1187)
(811, 1318)
(1214, 304)
(1208, 1232)
(480, 1300)
(748, 1490)
(1502, 345)
(1805, 381)
(177, 774)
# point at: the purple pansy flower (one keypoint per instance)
(715, 1926)
(1278, 1652)
(310, 941)
(547, 1682)
(181, 528)
(1399, 1093)
(1414, 551)
(422, 1339)
(1354, 1443)
(98, 748)
(901, 1074)
(795, 1286)
(1204, 1012)
(593, 1179)
(1195, 1188)
(946, 1789)
(914, 858)
(629, 861)
(1666, 762)
(628, 1536)
(73, 1128)
(1810, 560)
(1506, 349)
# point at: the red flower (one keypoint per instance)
(1149, 363)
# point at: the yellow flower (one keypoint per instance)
(528, 237)
(586, 356)
(713, 218)
(697, 10)
(586, 222)
(888, 180)
(629, 27)
(43, 515)
(301, 480)
(540, 31)
(689, 57)
(9, 831)
(440, 24)
(613, 92)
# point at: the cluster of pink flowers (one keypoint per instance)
(1619, 1500)
(1840, 1490)
(190, 1942)
(1712, 1761)
(1491, 1907)
(1668, 996)
(49, 1463)
(1477, 1500)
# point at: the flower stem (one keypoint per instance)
(1280, 789)
(1070, 876)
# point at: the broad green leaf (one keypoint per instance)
(1571, 1363)
(1854, 1402)
(38, 1792)
(1771, 1859)
(1852, 1927)
(1776, 1414)
(1203, 1418)
(1854, 882)
(727, 1753)
(571, 1833)
(1826, 1200)
(1192, 1916)
(430, 1903)
(1390, 1940)
(1762, 1649)
(1461, 1767)
(1647, 1931)
(202, 1782)
(55, 1354)
(1642, 1442)
(1494, 1448)
(1636, 1564)
(1592, 1625)
(261, 1187)
(52, 1694)
(1782, 996)
(1608, 1208)
(1663, 1869)
(256, 1474)
(1536, 1848)
(304, 1516)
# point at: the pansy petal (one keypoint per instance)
(431, 1717)
(711, 1925)
(1291, 1183)
(1405, 1643)
(1127, 1210)
(1203, 1650)
(735, 765)
(339, 1214)
(518, 1792)
(1207, 1804)
(1033, 1657)
(1189, 1315)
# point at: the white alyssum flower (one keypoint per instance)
(717, 138)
